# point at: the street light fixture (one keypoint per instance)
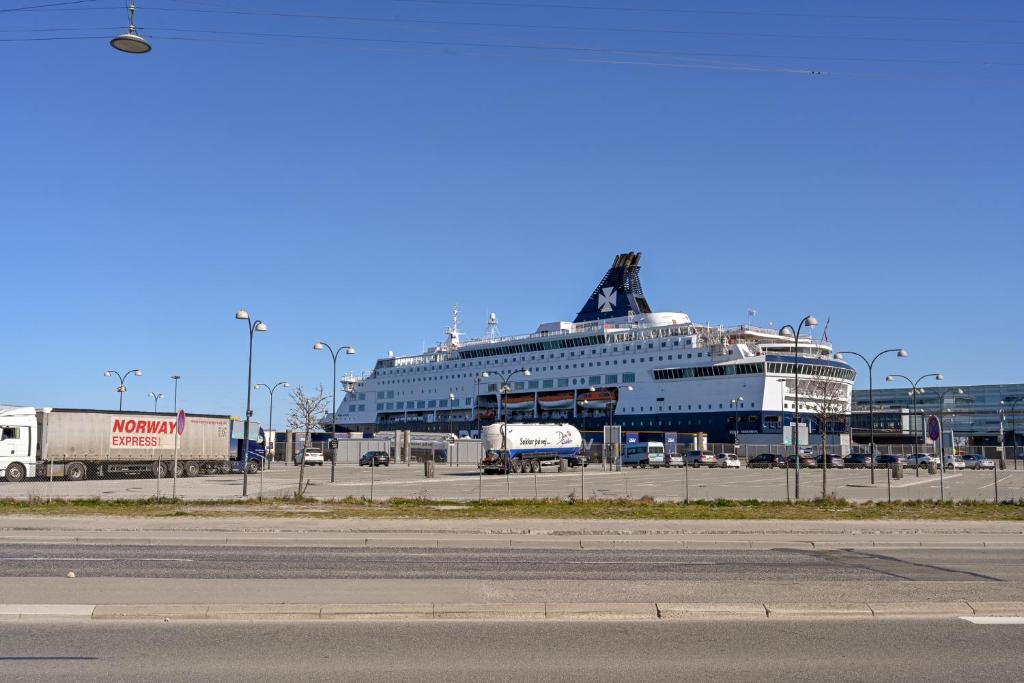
(156, 399)
(349, 350)
(131, 42)
(254, 327)
(121, 388)
(914, 392)
(900, 353)
(270, 426)
(736, 423)
(809, 321)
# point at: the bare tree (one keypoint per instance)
(304, 417)
(831, 402)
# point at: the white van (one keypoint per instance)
(643, 454)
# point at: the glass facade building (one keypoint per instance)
(977, 414)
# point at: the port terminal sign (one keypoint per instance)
(670, 442)
(934, 431)
(180, 426)
(632, 437)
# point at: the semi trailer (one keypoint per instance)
(526, 447)
(84, 444)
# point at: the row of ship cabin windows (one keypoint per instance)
(700, 406)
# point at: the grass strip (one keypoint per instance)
(416, 508)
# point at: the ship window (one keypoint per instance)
(611, 379)
(628, 377)
(562, 382)
(689, 355)
(533, 384)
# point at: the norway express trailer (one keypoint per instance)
(85, 444)
(525, 447)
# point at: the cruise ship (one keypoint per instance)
(617, 361)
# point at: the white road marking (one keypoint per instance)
(93, 559)
(995, 621)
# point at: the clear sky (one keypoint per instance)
(351, 175)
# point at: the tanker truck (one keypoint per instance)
(525, 447)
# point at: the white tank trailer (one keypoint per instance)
(521, 447)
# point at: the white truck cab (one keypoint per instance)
(19, 435)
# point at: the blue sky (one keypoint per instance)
(353, 186)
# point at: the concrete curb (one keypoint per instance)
(527, 611)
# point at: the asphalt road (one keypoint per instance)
(230, 562)
(813, 650)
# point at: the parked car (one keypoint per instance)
(832, 459)
(806, 460)
(886, 460)
(374, 458)
(920, 460)
(977, 461)
(860, 460)
(953, 462)
(727, 460)
(311, 457)
(767, 460)
(698, 458)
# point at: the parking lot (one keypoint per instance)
(466, 483)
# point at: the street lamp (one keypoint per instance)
(914, 392)
(504, 389)
(130, 42)
(121, 388)
(900, 353)
(782, 426)
(156, 398)
(736, 423)
(476, 399)
(349, 350)
(451, 411)
(254, 327)
(270, 426)
(1013, 426)
(810, 321)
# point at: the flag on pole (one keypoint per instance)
(824, 333)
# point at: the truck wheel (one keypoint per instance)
(75, 471)
(224, 468)
(15, 472)
(159, 470)
(179, 469)
(191, 469)
(253, 467)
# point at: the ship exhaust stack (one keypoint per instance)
(619, 293)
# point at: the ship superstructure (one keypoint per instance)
(617, 360)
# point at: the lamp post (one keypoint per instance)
(736, 424)
(270, 426)
(156, 399)
(121, 388)
(1013, 427)
(176, 378)
(476, 399)
(810, 321)
(254, 327)
(782, 426)
(349, 350)
(915, 390)
(504, 389)
(451, 410)
(900, 353)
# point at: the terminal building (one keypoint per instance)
(983, 415)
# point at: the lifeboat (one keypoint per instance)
(486, 414)
(556, 401)
(597, 400)
(519, 402)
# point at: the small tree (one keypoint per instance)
(830, 400)
(306, 409)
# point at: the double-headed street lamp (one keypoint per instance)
(735, 403)
(809, 321)
(915, 390)
(1012, 402)
(121, 388)
(254, 327)
(900, 353)
(270, 426)
(349, 350)
(156, 399)
(504, 388)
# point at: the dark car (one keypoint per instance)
(832, 459)
(767, 460)
(886, 460)
(857, 460)
(805, 461)
(374, 458)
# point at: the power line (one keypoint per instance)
(591, 49)
(49, 4)
(248, 11)
(675, 10)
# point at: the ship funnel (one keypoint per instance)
(619, 294)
